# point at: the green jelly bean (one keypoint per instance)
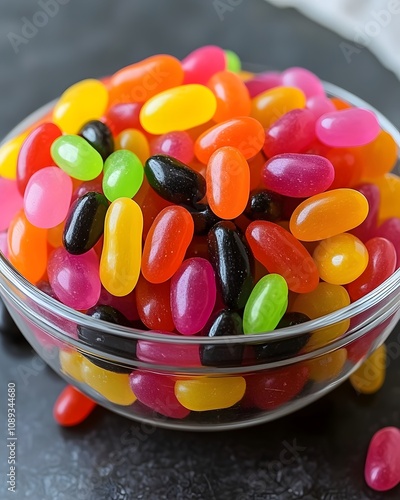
(233, 62)
(266, 305)
(77, 157)
(123, 175)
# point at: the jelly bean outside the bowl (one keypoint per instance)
(72, 407)
(99, 136)
(370, 376)
(123, 175)
(201, 64)
(153, 304)
(233, 98)
(11, 201)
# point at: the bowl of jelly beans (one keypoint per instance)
(198, 247)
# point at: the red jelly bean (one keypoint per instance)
(153, 304)
(367, 229)
(347, 164)
(72, 407)
(382, 467)
(201, 64)
(283, 254)
(390, 229)
(123, 116)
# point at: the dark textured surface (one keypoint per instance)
(109, 457)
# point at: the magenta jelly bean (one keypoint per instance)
(158, 393)
(348, 128)
(303, 79)
(320, 105)
(75, 278)
(193, 295)
(201, 64)
(367, 229)
(180, 355)
(298, 175)
(390, 229)
(178, 144)
(292, 133)
(11, 201)
(382, 467)
(47, 197)
(262, 82)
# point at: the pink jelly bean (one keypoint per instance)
(3, 244)
(179, 145)
(263, 82)
(367, 229)
(201, 64)
(292, 133)
(303, 79)
(158, 393)
(122, 116)
(382, 467)
(11, 201)
(47, 197)
(320, 105)
(180, 355)
(312, 174)
(75, 278)
(390, 229)
(193, 295)
(348, 128)
(125, 305)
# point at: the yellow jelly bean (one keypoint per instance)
(210, 393)
(71, 364)
(122, 248)
(389, 188)
(86, 100)
(369, 378)
(179, 108)
(113, 386)
(270, 105)
(134, 140)
(328, 366)
(9, 152)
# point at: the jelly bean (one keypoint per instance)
(314, 174)
(210, 393)
(233, 62)
(246, 75)
(9, 156)
(389, 189)
(379, 156)
(174, 181)
(273, 388)
(85, 223)
(123, 116)
(266, 305)
(243, 133)
(71, 364)
(370, 376)
(283, 254)
(122, 248)
(77, 157)
(86, 100)
(303, 79)
(227, 172)
(179, 355)
(256, 165)
(166, 244)
(75, 278)
(169, 110)
(135, 141)
(292, 133)
(320, 105)
(112, 386)
(274, 103)
(327, 367)
(201, 64)
(230, 258)
(55, 235)
(179, 145)
(341, 259)
(282, 349)
(108, 343)
(343, 208)
(72, 407)
(3, 244)
(99, 136)
(340, 103)
(263, 82)
(11, 201)
(347, 128)
(264, 205)
(141, 81)
(348, 166)
(157, 392)
(47, 197)
(193, 295)
(203, 218)
(233, 98)
(27, 248)
(153, 303)
(123, 175)
(35, 153)
(223, 323)
(95, 185)
(382, 264)
(125, 305)
(390, 229)
(382, 466)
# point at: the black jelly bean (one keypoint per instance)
(230, 258)
(273, 351)
(99, 136)
(265, 205)
(109, 344)
(174, 181)
(203, 217)
(84, 225)
(224, 323)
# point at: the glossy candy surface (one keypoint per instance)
(71, 363)
(370, 376)
(153, 304)
(72, 407)
(262, 82)
(233, 98)
(264, 205)
(201, 64)
(367, 229)
(390, 230)
(303, 79)
(179, 145)
(9, 152)
(135, 141)
(123, 116)
(123, 175)
(99, 136)
(379, 156)
(203, 218)
(11, 201)
(179, 355)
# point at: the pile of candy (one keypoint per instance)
(192, 198)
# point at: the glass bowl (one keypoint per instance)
(237, 394)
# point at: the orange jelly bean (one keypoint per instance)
(379, 156)
(228, 173)
(143, 80)
(166, 244)
(233, 98)
(329, 213)
(389, 188)
(327, 367)
(274, 103)
(244, 133)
